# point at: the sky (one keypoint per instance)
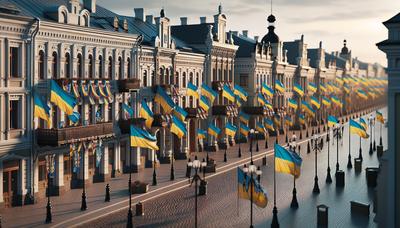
(329, 21)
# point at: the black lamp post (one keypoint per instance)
(328, 175)
(374, 146)
(294, 204)
(337, 134)
(251, 171)
(129, 222)
(172, 176)
(360, 152)
(50, 169)
(380, 136)
(251, 135)
(256, 137)
(154, 170)
(316, 147)
(83, 204)
(240, 140)
(196, 165)
(371, 123)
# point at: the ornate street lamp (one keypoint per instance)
(251, 170)
(371, 121)
(50, 170)
(83, 204)
(251, 135)
(328, 176)
(294, 203)
(337, 133)
(196, 165)
(154, 169)
(316, 147)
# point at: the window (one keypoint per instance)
(153, 77)
(110, 67)
(129, 68)
(177, 79)
(161, 76)
(145, 78)
(100, 70)
(14, 114)
(90, 66)
(191, 77)
(191, 103)
(197, 79)
(184, 79)
(67, 65)
(243, 80)
(54, 117)
(64, 17)
(14, 62)
(54, 67)
(41, 64)
(80, 66)
(121, 68)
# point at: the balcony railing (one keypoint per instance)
(126, 85)
(218, 85)
(194, 113)
(57, 137)
(160, 120)
(256, 111)
(124, 125)
(224, 110)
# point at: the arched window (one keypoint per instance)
(67, 66)
(121, 68)
(153, 77)
(110, 67)
(184, 79)
(80, 66)
(191, 77)
(171, 77)
(54, 67)
(90, 66)
(86, 21)
(100, 70)
(177, 78)
(197, 79)
(145, 78)
(41, 64)
(64, 17)
(129, 68)
(161, 76)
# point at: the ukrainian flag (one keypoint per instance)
(146, 113)
(329, 87)
(267, 90)
(292, 103)
(260, 128)
(322, 87)
(307, 108)
(244, 130)
(213, 130)
(363, 123)
(201, 134)
(128, 111)
(261, 99)
(269, 106)
(238, 101)
(230, 129)
(277, 120)
(347, 88)
(379, 117)
(326, 101)
(191, 90)
(178, 127)
(279, 86)
(269, 124)
(302, 119)
(362, 94)
(244, 117)
(208, 92)
(332, 121)
(164, 100)
(298, 89)
(228, 93)
(180, 113)
(74, 118)
(143, 139)
(204, 103)
(288, 121)
(287, 161)
(315, 102)
(62, 99)
(339, 81)
(336, 101)
(246, 184)
(312, 87)
(42, 110)
(239, 91)
(356, 128)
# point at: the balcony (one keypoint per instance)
(57, 137)
(217, 85)
(126, 85)
(255, 111)
(169, 89)
(124, 125)
(160, 120)
(225, 110)
(194, 113)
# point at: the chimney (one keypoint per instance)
(183, 20)
(150, 19)
(245, 33)
(203, 20)
(90, 5)
(139, 13)
(235, 33)
(256, 38)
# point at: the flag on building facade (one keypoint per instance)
(143, 139)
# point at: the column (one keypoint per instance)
(104, 174)
(84, 159)
(36, 175)
(162, 149)
(21, 182)
(135, 158)
(58, 187)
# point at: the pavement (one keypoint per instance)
(170, 203)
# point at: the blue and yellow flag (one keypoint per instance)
(42, 110)
(260, 128)
(302, 119)
(267, 90)
(379, 117)
(261, 99)
(213, 130)
(208, 92)
(356, 128)
(298, 89)
(292, 103)
(244, 130)
(191, 90)
(146, 113)
(244, 118)
(228, 93)
(204, 103)
(339, 81)
(363, 123)
(164, 100)
(361, 93)
(347, 88)
(336, 101)
(307, 108)
(178, 127)
(239, 91)
(143, 139)
(128, 111)
(322, 87)
(277, 120)
(326, 102)
(315, 102)
(312, 87)
(230, 129)
(239, 101)
(287, 161)
(201, 134)
(269, 124)
(332, 121)
(279, 86)
(74, 117)
(180, 113)
(246, 185)
(288, 121)
(62, 99)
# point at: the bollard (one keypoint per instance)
(139, 209)
(264, 160)
(188, 170)
(357, 165)
(308, 147)
(339, 178)
(322, 215)
(107, 198)
(203, 188)
(379, 150)
(371, 174)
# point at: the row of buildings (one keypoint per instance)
(80, 44)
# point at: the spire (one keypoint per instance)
(162, 13)
(345, 50)
(220, 8)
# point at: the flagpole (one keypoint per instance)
(360, 151)
(349, 165)
(275, 223)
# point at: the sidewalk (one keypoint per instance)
(66, 208)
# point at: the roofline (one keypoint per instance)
(15, 16)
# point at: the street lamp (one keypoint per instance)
(371, 121)
(251, 135)
(337, 133)
(83, 204)
(196, 165)
(50, 170)
(154, 169)
(129, 223)
(328, 176)
(225, 156)
(294, 203)
(316, 147)
(172, 176)
(256, 137)
(251, 170)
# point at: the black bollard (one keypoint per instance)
(107, 199)
(308, 147)
(301, 134)
(188, 169)
(307, 133)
